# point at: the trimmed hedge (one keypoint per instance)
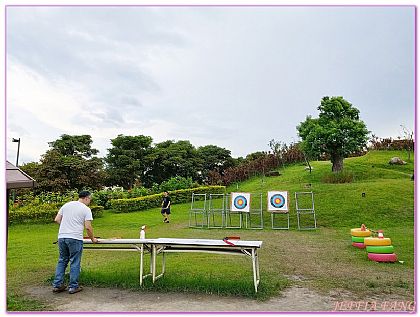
(153, 201)
(44, 213)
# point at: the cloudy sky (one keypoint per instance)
(235, 77)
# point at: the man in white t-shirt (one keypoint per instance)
(73, 218)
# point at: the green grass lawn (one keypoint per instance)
(322, 259)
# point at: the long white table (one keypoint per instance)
(167, 245)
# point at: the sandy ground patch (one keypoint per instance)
(117, 300)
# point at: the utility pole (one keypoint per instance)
(17, 156)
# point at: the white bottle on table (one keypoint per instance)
(143, 232)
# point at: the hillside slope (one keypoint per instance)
(388, 198)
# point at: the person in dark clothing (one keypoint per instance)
(166, 207)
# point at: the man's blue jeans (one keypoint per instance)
(70, 251)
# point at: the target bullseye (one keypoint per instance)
(277, 201)
(240, 202)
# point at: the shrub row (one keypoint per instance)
(25, 197)
(391, 144)
(104, 197)
(338, 178)
(259, 166)
(44, 213)
(153, 201)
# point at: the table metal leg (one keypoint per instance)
(163, 262)
(255, 268)
(153, 263)
(258, 267)
(156, 253)
(141, 263)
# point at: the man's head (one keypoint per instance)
(85, 197)
(165, 193)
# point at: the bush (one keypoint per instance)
(44, 213)
(99, 197)
(391, 144)
(338, 178)
(138, 192)
(103, 197)
(176, 183)
(154, 201)
(97, 211)
(25, 197)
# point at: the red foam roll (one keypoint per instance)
(382, 257)
(359, 245)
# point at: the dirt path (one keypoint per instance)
(117, 300)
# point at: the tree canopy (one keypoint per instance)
(169, 159)
(68, 165)
(338, 132)
(74, 145)
(128, 159)
(214, 158)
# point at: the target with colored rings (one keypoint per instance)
(277, 201)
(240, 202)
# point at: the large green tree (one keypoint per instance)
(68, 165)
(128, 160)
(170, 159)
(337, 132)
(214, 158)
(74, 145)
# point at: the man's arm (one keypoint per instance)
(58, 218)
(89, 230)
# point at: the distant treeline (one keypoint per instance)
(134, 162)
(391, 144)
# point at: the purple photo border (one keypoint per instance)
(225, 5)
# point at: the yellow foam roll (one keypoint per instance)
(357, 232)
(377, 241)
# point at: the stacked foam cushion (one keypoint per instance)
(358, 237)
(380, 250)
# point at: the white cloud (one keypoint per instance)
(233, 76)
(51, 103)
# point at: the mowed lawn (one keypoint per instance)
(321, 259)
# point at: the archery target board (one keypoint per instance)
(240, 202)
(278, 201)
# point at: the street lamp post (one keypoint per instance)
(17, 156)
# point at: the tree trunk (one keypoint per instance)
(309, 165)
(338, 163)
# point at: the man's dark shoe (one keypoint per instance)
(59, 289)
(75, 290)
